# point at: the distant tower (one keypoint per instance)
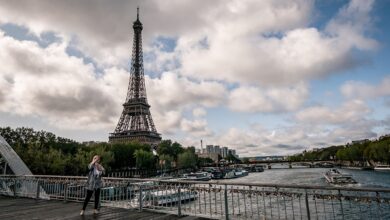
(136, 123)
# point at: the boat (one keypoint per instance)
(198, 176)
(240, 173)
(382, 167)
(235, 173)
(229, 174)
(254, 168)
(217, 174)
(334, 176)
(163, 197)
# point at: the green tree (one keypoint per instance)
(245, 160)
(166, 161)
(201, 162)
(124, 154)
(187, 160)
(144, 159)
(166, 147)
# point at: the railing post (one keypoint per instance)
(5, 168)
(179, 199)
(378, 200)
(307, 205)
(341, 205)
(66, 192)
(140, 198)
(14, 187)
(226, 204)
(38, 190)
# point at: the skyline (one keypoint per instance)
(263, 78)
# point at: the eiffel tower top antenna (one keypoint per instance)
(137, 12)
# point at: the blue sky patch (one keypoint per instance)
(22, 33)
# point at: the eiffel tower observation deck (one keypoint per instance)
(136, 123)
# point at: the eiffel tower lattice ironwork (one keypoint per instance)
(136, 123)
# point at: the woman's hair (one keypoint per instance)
(96, 155)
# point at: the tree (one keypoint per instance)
(231, 158)
(166, 161)
(124, 154)
(245, 160)
(144, 159)
(204, 161)
(166, 147)
(187, 160)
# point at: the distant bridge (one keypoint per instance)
(291, 163)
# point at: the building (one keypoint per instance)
(215, 152)
(209, 149)
(224, 152)
(217, 149)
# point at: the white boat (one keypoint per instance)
(235, 173)
(382, 167)
(334, 176)
(163, 197)
(198, 176)
(240, 173)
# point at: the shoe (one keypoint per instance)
(82, 212)
(95, 212)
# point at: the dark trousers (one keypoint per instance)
(89, 195)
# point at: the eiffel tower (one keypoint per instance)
(136, 123)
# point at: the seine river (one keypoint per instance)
(314, 176)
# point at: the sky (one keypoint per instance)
(270, 77)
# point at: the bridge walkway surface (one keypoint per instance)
(25, 208)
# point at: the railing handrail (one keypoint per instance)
(270, 185)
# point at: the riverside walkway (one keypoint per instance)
(25, 208)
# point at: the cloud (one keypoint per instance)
(258, 42)
(352, 24)
(362, 90)
(349, 112)
(68, 93)
(252, 53)
(276, 99)
(171, 94)
(197, 127)
(249, 56)
(50, 84)
(199, 112)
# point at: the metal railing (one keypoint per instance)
(216, 200)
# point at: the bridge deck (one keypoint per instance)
(23, 208)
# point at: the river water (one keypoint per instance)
(314, 176)
(322, 204)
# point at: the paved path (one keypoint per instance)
(24, 208)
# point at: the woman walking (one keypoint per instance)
(94, 183)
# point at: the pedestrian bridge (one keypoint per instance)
(212, 200)
(24, 208)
